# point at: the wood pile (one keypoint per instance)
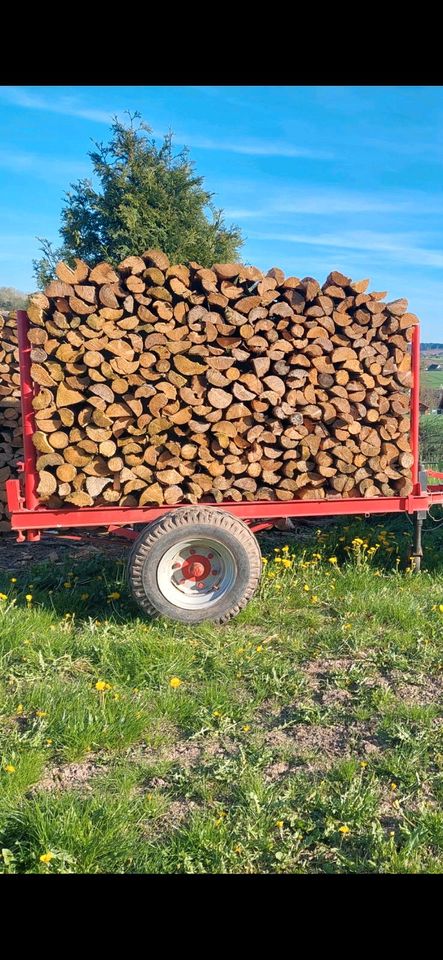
(10, 414)
(160, 383)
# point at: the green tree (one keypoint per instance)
(146, 196)
(12, 299)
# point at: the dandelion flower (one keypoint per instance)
(264, 560)
(333, 560)
(28, 597)
(216, 713)
(259, 648)
(306, 588)
(363, 763)
(3, 596)
(9, 768)
(67, 585)
(47, 857)
(440, 607)
(175, 682)
(13, 580)
(49, 741)
(246, 728)
(102, 685)
(280, 824)
(41, 713)
(19, 709)
(393, 786)
(114, 596)
(344, 829)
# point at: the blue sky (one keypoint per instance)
(318, 178)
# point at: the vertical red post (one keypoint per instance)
(415, 401)
(27, 393)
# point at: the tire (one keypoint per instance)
(194, 565)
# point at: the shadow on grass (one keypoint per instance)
(95, 587)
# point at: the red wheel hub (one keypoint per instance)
(196, 567)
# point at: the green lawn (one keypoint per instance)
(305, 736)
(431, 378)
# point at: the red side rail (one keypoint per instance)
(28, 515)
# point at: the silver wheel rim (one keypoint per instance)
(194, 574)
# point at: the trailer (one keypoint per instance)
(202, 562)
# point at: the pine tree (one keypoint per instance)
(147, 196)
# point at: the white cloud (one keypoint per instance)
(253, 147)
(399, 246)
(43, 167)
(321, 201)
(68, 106)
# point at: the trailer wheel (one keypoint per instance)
(195, 565)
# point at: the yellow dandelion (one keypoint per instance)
(49, 741)
(287, 563)
(102, 685)
(246, 728)
(264, 560)
(19, 709)
(13, 580)
(67, 585)
(3, 596)
(306, 588)
(238, 849)
(46, 857)
(278, 560)
(28, 597)
(175, 682)
(332, 560)
(9, 768)
(344, 829)
(440, 607)
(216, 713)
(280, 824)
(314, 599)
(363, 763)
(114, 596)
(259, 648)
(41, 713)
(393, 786)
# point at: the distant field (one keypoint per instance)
(432, 379)
(431, 442)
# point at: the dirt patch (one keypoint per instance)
(15, 557)
(70, 776)
(276, 771)
(426, 693)
(320, 746)
(313, 742)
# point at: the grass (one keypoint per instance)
(433, 379)
(305, 736)
(431, 442)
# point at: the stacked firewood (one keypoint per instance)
(162, 383)
(10, 415)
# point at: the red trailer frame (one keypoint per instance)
(29, 517)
